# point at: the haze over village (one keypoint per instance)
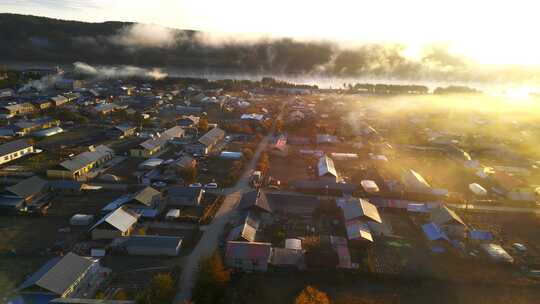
(241, 152)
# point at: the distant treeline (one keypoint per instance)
(40, 39)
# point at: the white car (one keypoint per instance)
(211, 186)
(195, 185)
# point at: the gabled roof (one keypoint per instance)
(326, 166)
(212, 137)
(84, 159)
(255, 198)
(14, 146)
(247, 230)
(355, 208)
(120, 219)
(146, 196)
(28, 187)
(444, 215)
(173, 132)
(414, 180)
(59, 274)
(357, 230)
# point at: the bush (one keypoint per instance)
(311, 295)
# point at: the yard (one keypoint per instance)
(358, 288)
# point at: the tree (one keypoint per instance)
(248, 153)
(203, 124)
(211, 281)
(264, 162)
(190, 174)
(161, 290)
(310, 295)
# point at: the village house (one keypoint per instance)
(30, 194)
(326, 170)
(146, 202)
(25, 127)
(121, 131)
(361, 219)
(207, 143)
(248, 256)
(78, 167)
(59, 100)
(118, 223)
(15, 149)
(43, 104)
(19, 109)
(62, 277)
(188, 121)
(155, 145)
(178, 196)
(449, 222)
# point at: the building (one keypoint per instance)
(248, 256)
(48, 132)
(121, 131)
(155, 145)
(19, 109)
(189, 121)
(61, 276)
(178, 196)
(15, 149)
(146, 202)
(449, 222)
(326, 170)
(78, 167)
(414, 182)
(43, 104)
(150, 245)
(361, 219)
(115, 224)
(25, 127)
(207, 143)
(59, 100)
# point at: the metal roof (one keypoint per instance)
(86, 158)
(249, 250)
(14, 146)
(358, 230)
(146, 196)
(444, 215)
(160, 241)
(326, 166)
(121, 219)
(212, 137)
(28, 187)
(359, 208)
(255, 198)
(58, 275)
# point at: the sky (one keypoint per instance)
(499, 32)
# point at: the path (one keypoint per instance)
(209, 240)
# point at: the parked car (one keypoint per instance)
(211, 186)
(195, 185)
(159, 184)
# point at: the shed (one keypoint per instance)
(369, 186)
(153, 245)
(81, 220)
(478, 189)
